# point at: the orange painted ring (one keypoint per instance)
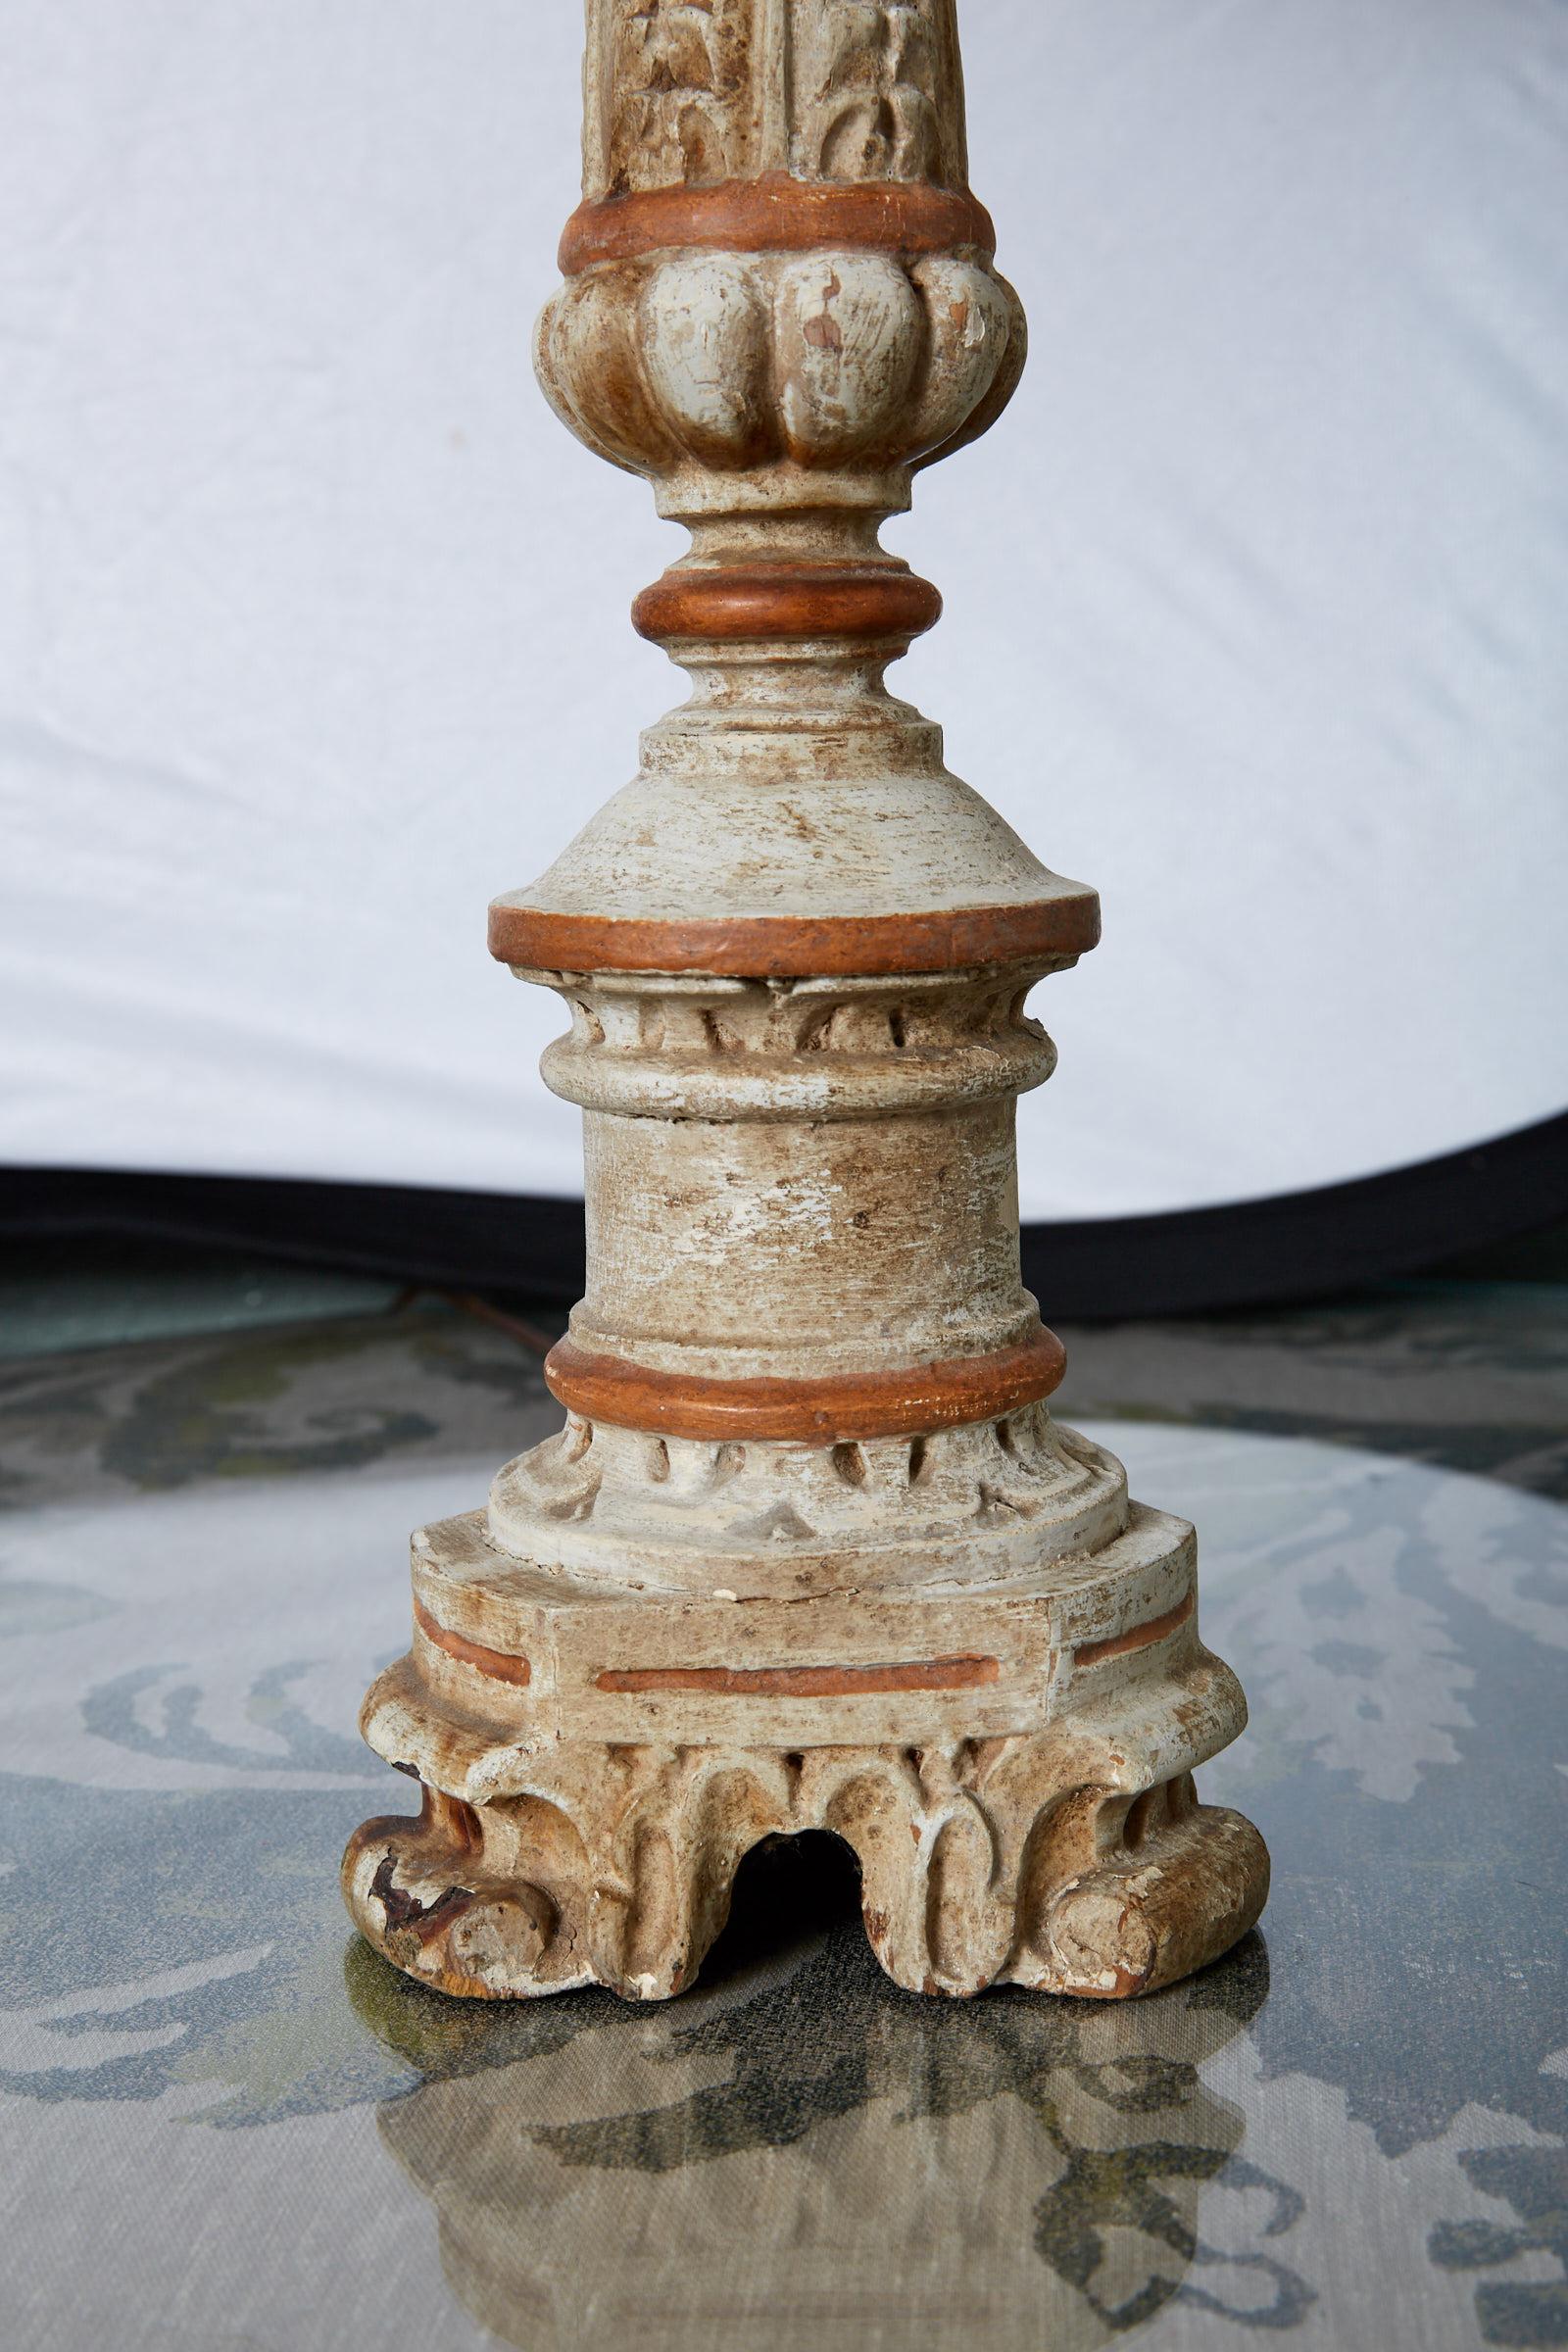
(780, 947)
(913, 1400)
(775, 214)
(784, 601)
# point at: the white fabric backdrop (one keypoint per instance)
(312, 621)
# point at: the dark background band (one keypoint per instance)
(1247, 1254)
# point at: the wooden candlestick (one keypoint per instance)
(810, 1551)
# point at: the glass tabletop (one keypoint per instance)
(225, 2123)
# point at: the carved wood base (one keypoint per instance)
(1010, 1758)
(978, 1866)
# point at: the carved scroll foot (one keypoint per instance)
(419, 1891)
(1184, 1882)
(968, 1862)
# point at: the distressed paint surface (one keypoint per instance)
(684, 93)
(809, 1554)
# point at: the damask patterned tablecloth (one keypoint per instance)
(227, 2126)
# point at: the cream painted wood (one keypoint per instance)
(808, 1551)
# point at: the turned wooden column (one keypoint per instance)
(808, 1551)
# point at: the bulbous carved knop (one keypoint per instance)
(736, 362)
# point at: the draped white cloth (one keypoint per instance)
(313, 625)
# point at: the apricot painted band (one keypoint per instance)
(775, 214)
(783, 601)
(785, 946)
(966, 1673)
(910, 1401)
(1138, 1636)
(501, 1665)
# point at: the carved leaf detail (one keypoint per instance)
(679, 76)
(876, 91)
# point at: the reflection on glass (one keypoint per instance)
(798, 2151)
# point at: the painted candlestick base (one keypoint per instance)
(810, 1552)
(1095, 1895)
(1068, 1856)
